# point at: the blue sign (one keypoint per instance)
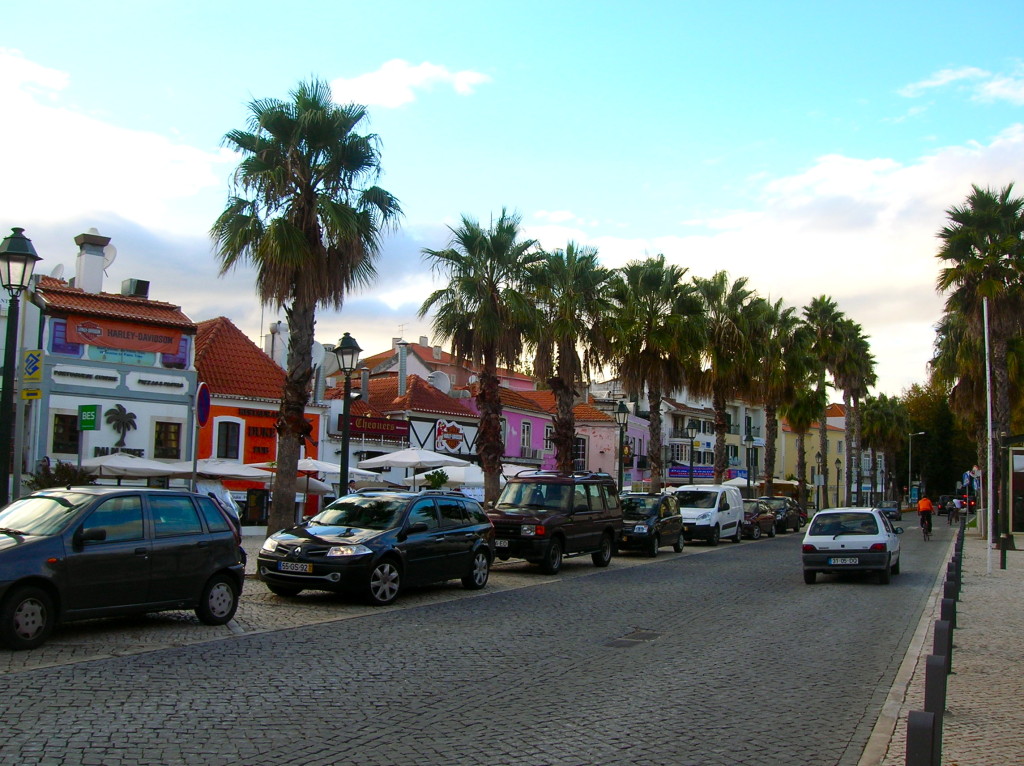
(202, 404)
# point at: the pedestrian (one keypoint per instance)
(351, 486)
(953, 515)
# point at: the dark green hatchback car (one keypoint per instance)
(100, 551)
(649, 521)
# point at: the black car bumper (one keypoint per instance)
(845, 561)
(344, 572)
(530, 548)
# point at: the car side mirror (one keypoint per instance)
(94, 535)
(898, 530)
(419, 526)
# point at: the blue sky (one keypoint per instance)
(812, 148)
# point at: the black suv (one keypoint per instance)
(375, 543)
(542, 516)
(99, 551)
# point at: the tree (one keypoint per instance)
(854, 372)
(60, 475)
(730, 315)
(656, 332)
(305, 213)
(570, 339)
(485, 311)
(801, 412)
(823, 317)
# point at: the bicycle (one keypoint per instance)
(926, 526)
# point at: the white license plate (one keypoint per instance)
(291, 566)
(844, 560)
(501, 543)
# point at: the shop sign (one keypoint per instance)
(449, 436)
(382, 427)
(107, 333)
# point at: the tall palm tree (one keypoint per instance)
(854, 373)
(487, 313)
(982, 250)
(305, 213)
(781, 344)
(730, 311)
(570, 341)
(656, 333)
(823, 317)
(801, 412)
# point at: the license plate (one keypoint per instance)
(844, 560)
(291, 566)
(501, 543)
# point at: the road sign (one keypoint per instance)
(32, 366)
(202, 404)
(88, 417)
(31, 393)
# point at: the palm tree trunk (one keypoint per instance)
(563, 434)
(721, 425)
(823, 450)
(801, 469)
(848, 446)
(771, 433)
(490, 446)
(654, 437)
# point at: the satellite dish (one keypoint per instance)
(109, 256)
(440, 381)
(58, 271)
(318, 354)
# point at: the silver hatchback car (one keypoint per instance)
(851, 540)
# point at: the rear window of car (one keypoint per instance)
(215, 520)
(843, 524)
(476, 512)
(174, 515)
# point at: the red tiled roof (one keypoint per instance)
(420, 396)
(426, 355)
(545, 400)
(58, 298)
(232, 365)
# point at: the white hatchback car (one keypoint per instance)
(851, 540)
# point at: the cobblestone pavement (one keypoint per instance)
(985, 692)
(687, 659)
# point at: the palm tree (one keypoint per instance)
(854, 372)
(801, 412)
(823, 317)
(730, 314)
(982, 247)
(570, 288)
(656, 333)
(122, 422)
(305, 214)
(486, 312)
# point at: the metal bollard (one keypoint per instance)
(921, 739)
(950, 589)
(951, 573)
(942, 643)
(947, 611)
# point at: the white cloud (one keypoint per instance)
(986, 86)
(1003, 89)
(941, 78)
(397, 81)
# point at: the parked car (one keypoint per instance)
(944, 504)
(374, 544)
(649, 521)
(787, 513)
(99, 551)
(543, 516)
(710, 512)
(891, 509)
(851, 540)
(758, 519)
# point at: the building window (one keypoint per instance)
(579, 454)
(525, 434)
(228, 439)
(168, 441)
(59, 339)
(65, 434)
(177, 361)
(549, 431)
(677, 454)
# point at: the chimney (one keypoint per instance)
(402, 352)
(90, 261)
(424, 341)
(437, 352)
(364, 383)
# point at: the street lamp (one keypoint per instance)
(817, 482)
(839, 477)
(17, 260)
(748, 442)
(910, 452)
(621, 417)
(347, 352)
(691, 431)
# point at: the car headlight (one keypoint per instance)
(269, 545)
(640, 529)
(348, 550)
(528, 530)
(704, 516)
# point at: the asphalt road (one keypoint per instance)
(723, 658)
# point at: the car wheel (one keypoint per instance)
(716, 536)
(810, 576)
(896, 567)
(678, 547)
(796, 525)
(26, 619)
(603, 557)
(885, 575)
(477, 578)
(651, 546)
(283, 590)
(755, 533)
(771, 531)
(383, 584)
(219, 600)
(739, 533)
(552, 561)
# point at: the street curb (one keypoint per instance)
(881, 735)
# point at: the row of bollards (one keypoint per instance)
(924, 727)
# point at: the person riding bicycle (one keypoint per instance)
(924, 513)
(953, 516)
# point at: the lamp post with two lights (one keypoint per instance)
(748, 442)
(691, 431)
(17, 260)
(622, 418)
(347, 352)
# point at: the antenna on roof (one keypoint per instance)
(401, 329)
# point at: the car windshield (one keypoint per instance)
(775, 503)
(41, 514)
(535, 496)
(695, 498)
(363, 511)
(835, 524)
(639, 507)
(752, 506)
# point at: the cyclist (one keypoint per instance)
(924, 513)
(954, 512)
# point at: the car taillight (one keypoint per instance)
(541, 531)
(809, 548)
(877, 547)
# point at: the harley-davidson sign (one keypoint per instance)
(449, 436)
(108, 333)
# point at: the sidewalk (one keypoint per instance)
(984, 720)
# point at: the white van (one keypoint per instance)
(710, 512)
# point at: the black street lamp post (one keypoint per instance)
(347, 352)
(839, 476)
(748, 442)
(817, 482)
(17, 260)
(622, 418)
(691, 431)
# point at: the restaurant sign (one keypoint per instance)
(386, 428)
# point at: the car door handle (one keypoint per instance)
(141, 551)
(202, 543)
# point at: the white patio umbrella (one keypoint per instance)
(311, 486)
(217, 468)
(458, 476)
(124, 465)
(310, 464)
(412, 458)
